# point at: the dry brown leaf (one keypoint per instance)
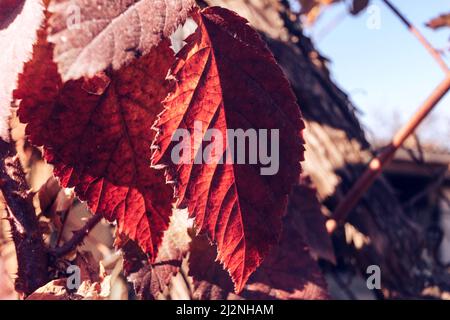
(88, 290)
(150, 280)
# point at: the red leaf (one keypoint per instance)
(309, 221)
(100, 144)
(19, 22)
(91, 35)
(228, 79)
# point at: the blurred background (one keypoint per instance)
(381, 65)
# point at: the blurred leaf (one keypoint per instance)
(358, 6)
(439, 22)
(88, 290)
(19, 21)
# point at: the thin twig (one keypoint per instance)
(434, 53)
(378, 163)
(77, 238)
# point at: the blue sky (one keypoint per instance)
(386, 71)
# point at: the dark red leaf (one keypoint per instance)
(228, 79)
(91, 35)
(100, 143)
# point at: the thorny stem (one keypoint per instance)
(31, 252)
(377, 164)
(78, 237)
(434, 53)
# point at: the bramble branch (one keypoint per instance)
(434, 53)
(31, 252)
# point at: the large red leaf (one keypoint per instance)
(228, 79)
(19, 22)
(91, 35)
(97, 133)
